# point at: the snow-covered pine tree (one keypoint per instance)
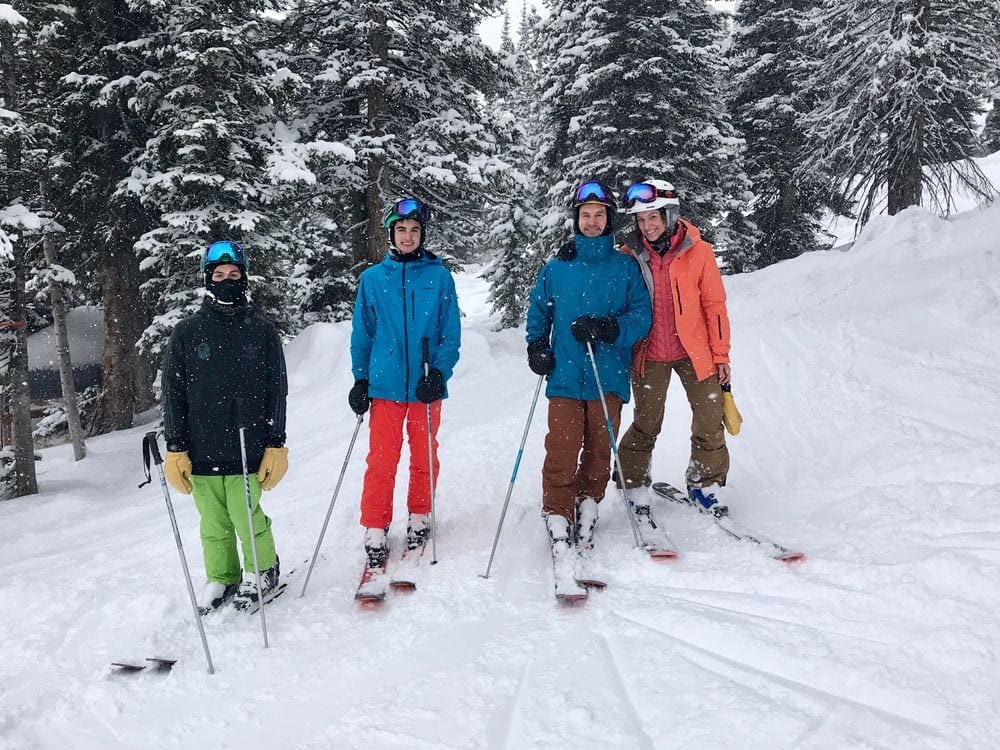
(901, 82)
(633, 90)
(768, 60)
(202, 174)
(96, 140)
(399, 98)
(512, 226)
(990, 137)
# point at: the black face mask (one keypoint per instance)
(228, 292)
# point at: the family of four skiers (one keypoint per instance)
(603, 321)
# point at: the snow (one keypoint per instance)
(10, 16)
(865, 379)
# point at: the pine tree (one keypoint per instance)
(990, 137)
(633, 90)
(202, 173)
(901, 80)
(768, 60)
(396, 107)
(513, 220)
(94, 143)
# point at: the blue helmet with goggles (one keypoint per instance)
(594, 191)
(224, 251)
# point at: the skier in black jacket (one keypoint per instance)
(225, 352)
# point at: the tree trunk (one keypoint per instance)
(378, 40)
(905, 182)
(62, 348)
(119, 283)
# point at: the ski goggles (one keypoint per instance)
(408, 208)
(643, 192)
(224, 251)
(593, 192)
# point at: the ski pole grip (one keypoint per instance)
(154, 449)
(425, 344)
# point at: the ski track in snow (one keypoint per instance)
(866, 382)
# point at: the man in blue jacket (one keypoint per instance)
(592, 293)
(406, 299)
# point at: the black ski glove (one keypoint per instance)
(358, 397)
(588, 328)
(430, 387)
(541, 360)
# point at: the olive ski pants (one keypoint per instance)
(709, 462)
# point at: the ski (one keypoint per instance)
(407, 570)
(652, 536)
(373, 585)
(733, 528)
(252, 606)
(155, 664)
(584, 576)
(567, 589)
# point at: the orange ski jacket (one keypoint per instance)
(699, 301)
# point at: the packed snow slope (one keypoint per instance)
(867, 380)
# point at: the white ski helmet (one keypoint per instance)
(651, 195)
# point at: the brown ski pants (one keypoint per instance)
(577, 453)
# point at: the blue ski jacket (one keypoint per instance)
(589, 276)
(399, 303)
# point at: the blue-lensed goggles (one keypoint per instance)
(590, 192)
(643, 192)
(408, 208)
(225, 251)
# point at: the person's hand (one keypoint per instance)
(541, 359)
(272, 468)
(358, 397)
(430, 387)
(177, 469)
(725, 373)
(588, 328)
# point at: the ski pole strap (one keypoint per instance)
(150, 451)
(727, 388)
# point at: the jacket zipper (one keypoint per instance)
(680, 305)
(406, 338)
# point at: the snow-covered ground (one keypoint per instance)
(867, 380)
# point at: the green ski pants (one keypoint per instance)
(221, 501)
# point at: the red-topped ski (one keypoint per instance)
(373, 585)
(652, 537)
(734, 529)
(407, 570)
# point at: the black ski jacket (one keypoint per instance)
(212, 359)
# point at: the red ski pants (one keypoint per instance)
(384, 447)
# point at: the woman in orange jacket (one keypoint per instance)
(689, 336)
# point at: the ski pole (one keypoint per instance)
(425, 343)
(249, 499)
(329, 511)
(614, 444)
(151, 449)
(513, 476)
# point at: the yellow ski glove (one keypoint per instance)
(731, 416)
(273, 466)
(177, 469)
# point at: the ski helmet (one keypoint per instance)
(653, 195)
(407, 208)
(593, 191)
(224, 251)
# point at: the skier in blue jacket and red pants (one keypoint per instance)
(408, 297)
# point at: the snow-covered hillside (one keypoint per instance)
(867, 383)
